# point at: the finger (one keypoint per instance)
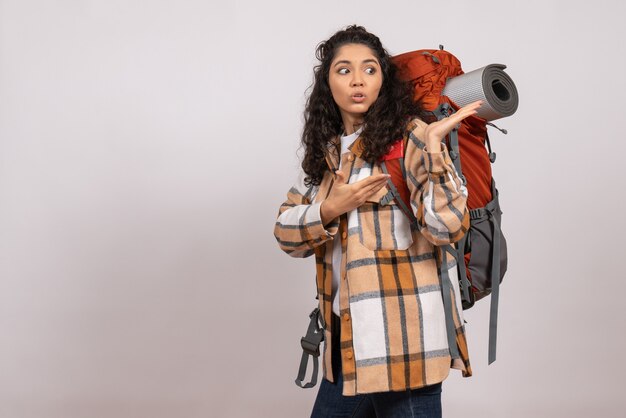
(458, 117)
(467, 110)
(341, 178)
(364, 189)
(371, 188)
(372, 179)
(473, 105)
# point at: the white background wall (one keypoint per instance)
(145, 147)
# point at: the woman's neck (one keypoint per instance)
(351, 123)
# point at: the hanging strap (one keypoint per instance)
(495, 275)
(488, 213)
(310, 347)
(446, 289)
(495, 291)
(460, 257)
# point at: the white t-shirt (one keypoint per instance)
(346, 141)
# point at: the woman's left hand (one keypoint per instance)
(432, 134)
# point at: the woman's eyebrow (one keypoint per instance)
(370, 61)
(342, 62)
(367, 61)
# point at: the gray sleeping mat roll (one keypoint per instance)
(491, 85)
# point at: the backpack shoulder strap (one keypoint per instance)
(442, 111)
(393, 165)
(402, 198)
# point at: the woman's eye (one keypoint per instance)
(370, 70)
(343, 71)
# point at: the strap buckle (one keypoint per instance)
(311, 344)
(387, 199)
(311, 347)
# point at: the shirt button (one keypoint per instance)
(346, 317)
(349, 354)
(350, 157)
(344, 235)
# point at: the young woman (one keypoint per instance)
(386, 350)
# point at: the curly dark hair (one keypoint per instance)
(384, 122)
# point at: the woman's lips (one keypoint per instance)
(358, 98)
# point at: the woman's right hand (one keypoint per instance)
(344, 197)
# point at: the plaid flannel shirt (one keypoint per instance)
(393, 330)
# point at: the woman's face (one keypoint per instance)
(355, 79)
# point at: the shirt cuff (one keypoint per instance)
(314, 218)
(436, 162)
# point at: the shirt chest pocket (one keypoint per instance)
(383, 227)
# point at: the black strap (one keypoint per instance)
(395, 195)
(455, 155)
(311, 347)
(443, 111)
(460, 258)
(446, 290)
(495, 277)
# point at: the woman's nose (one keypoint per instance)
(357, 81)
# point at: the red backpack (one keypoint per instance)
(481, 254)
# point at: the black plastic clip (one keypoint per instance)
(311, 347)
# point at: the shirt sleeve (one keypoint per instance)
(299, 227)
(438, 196)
